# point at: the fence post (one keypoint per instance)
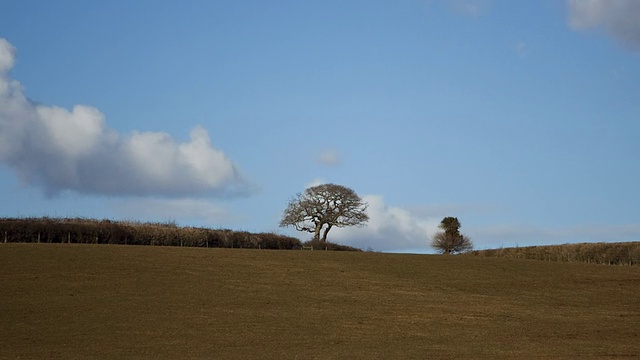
(69, 238)
(38, 238)
(5, 237)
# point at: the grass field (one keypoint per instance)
(61, 301)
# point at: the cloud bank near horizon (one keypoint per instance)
(392, 228)
(389, 228)
(620, 18)
(59, 149)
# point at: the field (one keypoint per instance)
(70, 301)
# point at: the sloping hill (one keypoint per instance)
(68, 301)
(621, 253)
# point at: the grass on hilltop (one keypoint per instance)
(621, 253)
(61, 301)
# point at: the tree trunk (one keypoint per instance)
(324, 234)
(316, 233)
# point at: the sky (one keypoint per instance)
(519, 117)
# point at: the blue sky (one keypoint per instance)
(521, 118)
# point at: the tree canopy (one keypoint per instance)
(450, 240)
(323, 207)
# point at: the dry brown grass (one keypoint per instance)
(61, 301)
(621, 253)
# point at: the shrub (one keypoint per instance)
(86, 231)
(622, 253)
(327, 245)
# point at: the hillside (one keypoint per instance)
(68, 301)
(622, 253)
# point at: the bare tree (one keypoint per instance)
(450, 240)
(323, 207)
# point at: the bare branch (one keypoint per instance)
(328, 204)
(450, 240)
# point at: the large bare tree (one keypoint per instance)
(323, 207)
(450, 240)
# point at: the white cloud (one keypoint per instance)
(329, 157)
(620, 18)
(410, 229)
(161, 210)
(60, 149)
(389, 229)
(7, 56)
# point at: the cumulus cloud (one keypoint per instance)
(60, 149)
(619, 18)
(7, 55)
(400, 229)
(389, 229)
(329, 157)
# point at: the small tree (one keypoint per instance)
(325, 206)
(450, 240)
